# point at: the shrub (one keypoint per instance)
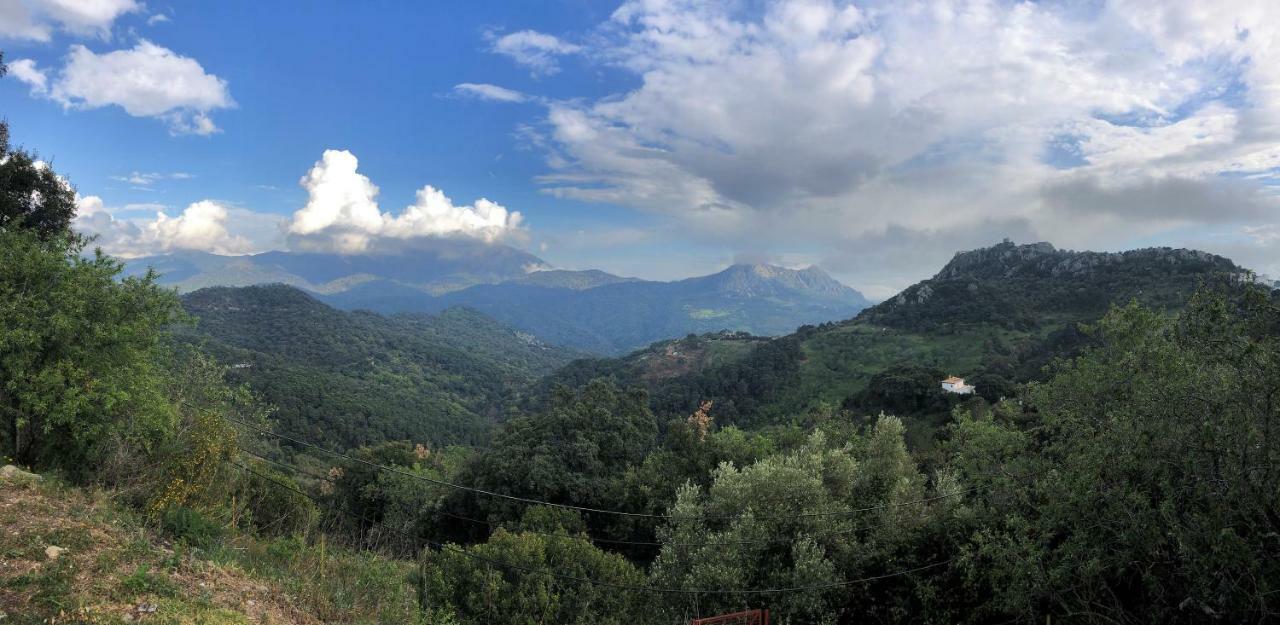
(191, 527)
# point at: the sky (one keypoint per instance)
(659, 138)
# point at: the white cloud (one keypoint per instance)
(201, 226)
(484, 91)
(147, 179)
(537, 51)
(158, 18)
(897, 122)
(146, 81)
(342, 212)
(340, 198)
(434, 214)
(26, 71)
(38, 19)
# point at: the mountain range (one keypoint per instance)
(451, 369)
(433, 266)
(588, 310)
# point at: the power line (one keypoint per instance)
(604, 584)
(623, 513)
(612, 541)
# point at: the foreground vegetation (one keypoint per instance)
(110, 564)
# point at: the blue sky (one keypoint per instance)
(658, 138)
(375, 80)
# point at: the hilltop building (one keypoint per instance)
(956, 385)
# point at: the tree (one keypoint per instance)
(1149, 489)
(80, 353)
(32, 196)
(903, 390)
(4, 125)
(798, 519)
(187, 461)
(479, 589)
(575, 452)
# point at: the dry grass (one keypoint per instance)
(114, 570)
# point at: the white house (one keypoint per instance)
(956, 385)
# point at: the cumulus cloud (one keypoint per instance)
(201, 226)
(38, 19)
(342, 213)
(537, 51)
(26, 71)
(146, 81)
(485, 91)
(893, 123)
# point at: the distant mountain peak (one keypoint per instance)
(1011, 284)
(765, 280)
(1008, 260)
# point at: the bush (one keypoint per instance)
(190, 526)
(268, 508)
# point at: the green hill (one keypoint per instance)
(995, 315)
(1026, 287)
(353, 378)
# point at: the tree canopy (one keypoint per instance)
(32, 195)
(80, 352)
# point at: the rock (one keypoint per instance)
(53, 553)
(146, 608)
(11, 473)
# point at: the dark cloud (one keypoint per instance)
(1167, 199)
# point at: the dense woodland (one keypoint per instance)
(1134, 478)
(353, 378)
(998, 316)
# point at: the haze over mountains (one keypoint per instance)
(434, 265)
(590, 310)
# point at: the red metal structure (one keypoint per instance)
(749, 617)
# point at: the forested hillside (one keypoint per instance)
(352, 378)
(1107, 462)
(996, 316)
(1029, 287)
